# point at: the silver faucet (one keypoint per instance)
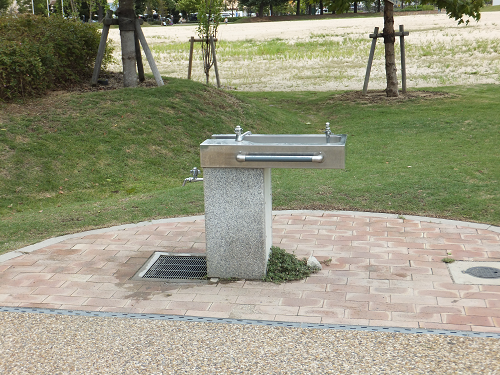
(328, 132)
(195, 178)
(239, 136)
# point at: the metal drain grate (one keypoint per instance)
(484, 272)
(177, 267)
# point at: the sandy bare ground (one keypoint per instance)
(438, 53)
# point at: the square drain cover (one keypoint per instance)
(173, 266)
(475, 273)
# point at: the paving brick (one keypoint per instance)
(348, 288)
(434, 278)
(50, 291)
(299, 302)
(99, 293)
(22, 298)
(495, 329)
(438, 293)
(66, 300)
(418, 300)
(368, 282)
(189, 305)
(490, 288)
(38, 305)
(240, 292)
(13, 290)
(321, 312)
(278, 293)
(401, 307)
(221, 307)
(209, 314)
(440, 326)
(398, 316)
(354, 322)
(480, 295)
(390, 276)
(298, 319)
(246, 300)
(461, 302)
(305, 287)
(104, 279)
(452, 286)
(391, 290)
(433, 309)
(410, 256)
(397, 324)
(148, 304)
(371, 315)
(278, 310)
(469, 320)
(388, 262)
(360, 297)
(482, 311)
(36, 276)
(215, 298)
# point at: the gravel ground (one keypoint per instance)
(53, 344)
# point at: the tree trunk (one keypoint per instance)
(390, 58)
(378, 5)
(321, 7)
(261, 10)
(100, 14)
(355, 7)
(298, 7)
(126, 19)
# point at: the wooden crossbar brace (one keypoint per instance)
(212, 41)
(401, 33)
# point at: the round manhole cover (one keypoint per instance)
(484, 272)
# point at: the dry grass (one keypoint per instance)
(332, 54)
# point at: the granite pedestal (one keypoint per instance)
(238, 215)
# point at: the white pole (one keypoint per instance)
(62, 7)
(48, 14)
(33, 6)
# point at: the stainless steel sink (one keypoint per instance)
(274, 151)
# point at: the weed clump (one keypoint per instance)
(282, 267)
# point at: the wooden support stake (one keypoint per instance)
(403, 60)
(215, 61)
(191, 48)
(370, 59)
(101, 49)
(149, 55)
(138, 57)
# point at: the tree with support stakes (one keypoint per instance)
(208, 23)
(454, 9)
(130, 35)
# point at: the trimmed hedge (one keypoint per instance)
(39, 53)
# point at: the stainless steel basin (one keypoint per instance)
(274, 151)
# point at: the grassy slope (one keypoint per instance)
(81, 161)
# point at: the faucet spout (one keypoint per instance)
(328, 132)
(195, 178)
(239, 135)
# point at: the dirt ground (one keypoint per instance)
(439, 52)
(488, 26)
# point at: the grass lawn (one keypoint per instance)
(79, 161)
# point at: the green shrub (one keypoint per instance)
(39, 53)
